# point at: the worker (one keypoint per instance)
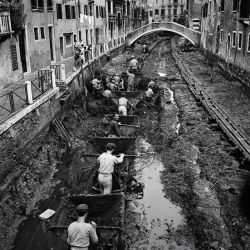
(120, 85)
(151, 84)
(114, 127)
(131, 81)
(116, 79)
(122, 104)
(107, 94)
(107, 162)
(145, 49)
(96, 87)
(133, 65)
(112, 86)
(81, 233)
(149, 94)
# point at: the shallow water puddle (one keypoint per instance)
(159, 216)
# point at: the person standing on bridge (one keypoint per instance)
(107, 162)
(81, 233)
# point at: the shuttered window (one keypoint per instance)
(13, 57)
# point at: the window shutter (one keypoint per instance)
(14, 57)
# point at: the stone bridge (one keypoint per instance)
(192, 35)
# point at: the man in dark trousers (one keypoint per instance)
(81, 233)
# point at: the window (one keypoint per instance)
(80, 35)
(156, 1)
(244, 8)
(85, 10)
(87, 37)
(222, 5)
(221, 35)
(79, 9)
(75, 40)
(42, 33)
(34, 5)
(68, 40)
(205, 10)
(59, 11)
(162, 1)
(156, 12)
(169, 11)
(67, 12)
(234, 39)
(91, 10)
(97, 12)
(175, 11)
(41, 5)
(49, 5)
(73, 12)
(162, 12)
(151, 13)
(248, 43)
(36, 35)
(235, 5)
(13, 57)
(240, 36)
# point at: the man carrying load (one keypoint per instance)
(107, 162)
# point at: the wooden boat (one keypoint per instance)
(134, 97)
(107, 211)
(129, 124)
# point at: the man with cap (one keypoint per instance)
(123, 103)
(81, 233)
(107, 162)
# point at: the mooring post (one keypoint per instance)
(28, 92)
(53, 78)
(63, 72)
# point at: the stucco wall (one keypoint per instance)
(7, 75)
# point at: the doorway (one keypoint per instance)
(23, 50)
(51, 43)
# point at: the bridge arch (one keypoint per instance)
(191, 35)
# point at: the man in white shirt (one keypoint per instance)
(97, 87)
(133, 65)
(107, 96)
(107, 162)
(79, 232)
(123, 102)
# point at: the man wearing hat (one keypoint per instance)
(107, 162)
(79, 232)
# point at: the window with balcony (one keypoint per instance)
(67, 12)
(73, 12)
(240, 39)
(59, 11)
(42, 33)
(234, 39)
(49, 5)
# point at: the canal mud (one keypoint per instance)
(194, 190)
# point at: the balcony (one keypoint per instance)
(5, 24)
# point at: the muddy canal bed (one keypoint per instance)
(194, 189)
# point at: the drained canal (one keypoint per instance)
(185, 170)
